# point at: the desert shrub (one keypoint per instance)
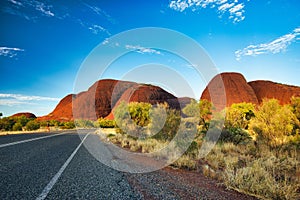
(273, 123)
(68, 125)
(139, 112)
(32, 125)
(106, 123)
(259, 178)
(55, 123)
(262, 172)
(201, 110)
(6, 123)
(238, 115)
(22, 120)
(192, 150)
(171, 125)
(83, 123)
(185, 162)
(295, 104)
(235, 135)
(17, 127)
(44, 123)
(133, 118)
(142, 120)
(192, 109)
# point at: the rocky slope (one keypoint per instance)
(99, 100)
(149, 94)
(26, 114)
(228, 88)
(269, 90)
(223, 90)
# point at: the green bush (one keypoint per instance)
(32, 125)
(83, 123)
(6, 123)
(169, 129)
(235, 135)
(106, 123)
(201, 110)
(142, 120)
(17, 127)
(68, 125)
(273, 123)
(133, 118)
(21, 119)
(238, 115)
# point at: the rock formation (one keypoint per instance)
(228, 88)
(99, 100)
(223, 90)
(26, 114)
(269, 90)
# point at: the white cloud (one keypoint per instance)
(98, 29)
(232, 8)
(31, 9)
(100, 12)
(276, 46)
(15, 2)
(9, 51)
(20, 97)
(43, 8)
(29, 5)
(142, 50)
(12, 102)
(106, 41)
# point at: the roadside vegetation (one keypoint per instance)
(22, 123)
(258, 152)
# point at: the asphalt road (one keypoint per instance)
(58, 166)
(39, 169)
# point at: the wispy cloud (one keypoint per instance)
(142, 50)
(32, 10)
(43, 8)
(27, 98)
(100, 12)
(276, 46)
(19, 99)
(232, 8)
(27, 8)
(15, 2)
(9, 51)
(98, 29)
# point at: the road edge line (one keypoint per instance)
(29, 140)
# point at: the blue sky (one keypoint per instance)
(44, 43)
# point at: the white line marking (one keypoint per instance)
(47, 189)
(32, 139)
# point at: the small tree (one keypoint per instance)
(17, 127)
(6, 123)
(133, 118)
(192, 109)
(201, 110)
(273, 123)
(105, 123)
(295, 104)
(238, 115)
(32, 125)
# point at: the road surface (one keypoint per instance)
(58, 166)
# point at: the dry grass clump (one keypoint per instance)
(264, 173)
(185, 162)
(133, 144)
